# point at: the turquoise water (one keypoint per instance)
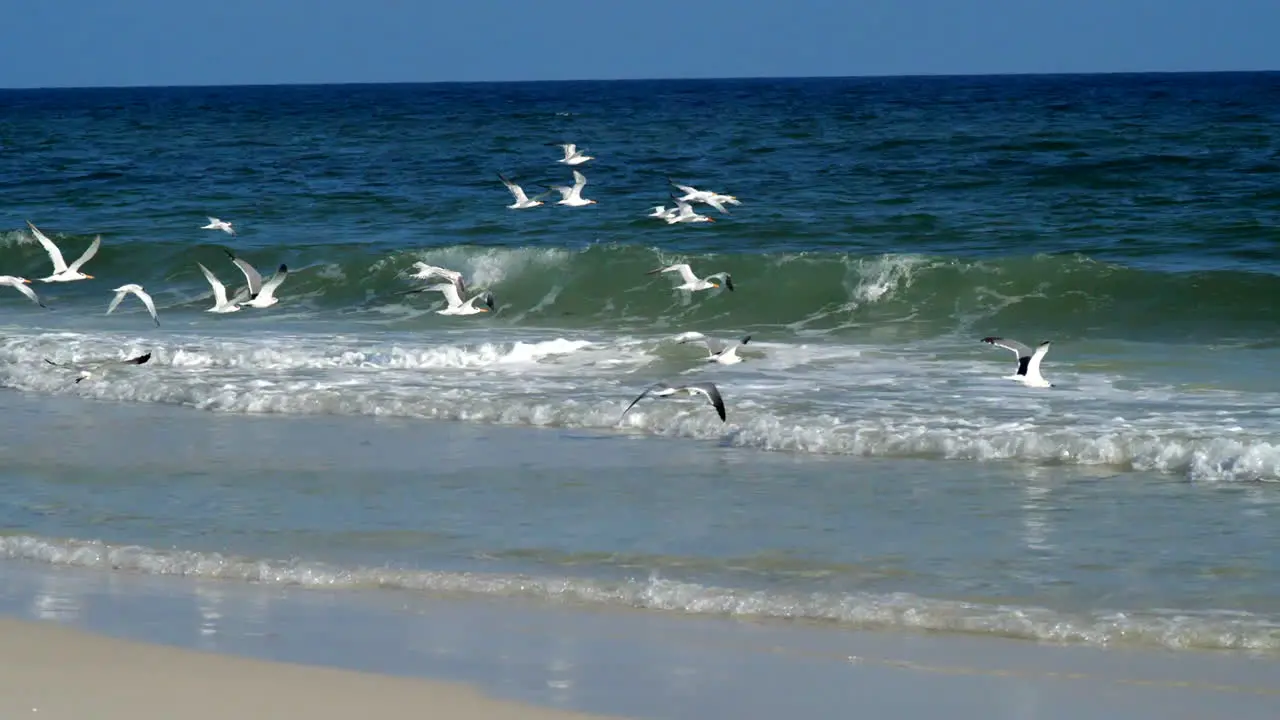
(877, 469)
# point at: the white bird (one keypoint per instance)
(692, 282)
(662, 212)
(21, 285)
(220, 302)
(261, 295)
(684, 213)
(1028, 372)
(572, 156)
(216, 224)
(142, 295)
(705, 389)
(455, 304)
(87, 369)
(62, 272)
(517, 192)
(426, 272)
(572, 196)
(715, 200)
(718, 351)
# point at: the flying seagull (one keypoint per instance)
(715, 200)
(136, 290)
(454, 299)
(705, 389)
(684, 214)
(261, 294)
(21, 285)
(718, 351)
(62, 272)
(692, 282)
(87, 369)
(216, 224)
(572, 195)
(573, 156)
(522, 201)
(220, 302)
(1028, 372)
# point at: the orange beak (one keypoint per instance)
(26, 281)
(715, 284)
(88, 276)
(711, 219)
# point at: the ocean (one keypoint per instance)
(877, 468)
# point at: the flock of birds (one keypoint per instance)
(257, 293)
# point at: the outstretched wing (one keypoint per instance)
(1033, 364)
(219, 290)
(1018, 348)
(26, 290)
(88, 254)
(712, 393)
(686, 272)
(151, 306)
(115, 301)
(55, 255)
(652, 388)
(269, 287)
(517, 192)
(251, 274)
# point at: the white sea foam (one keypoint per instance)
(1171, 628)
(824, 398)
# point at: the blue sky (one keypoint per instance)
(59, 43)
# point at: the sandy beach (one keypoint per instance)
(51, 671)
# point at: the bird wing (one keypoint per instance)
(88, 254)
(115, 301)
(579, 182)
(59, 265)
(1033, 365)
(219, 290)
(146, 300)
(269, 287)
(516, 191)
(251, 274)
(712, 393)
(1018, 348)
(450, 291)
(26, 290)
(686, 272)
(652, 388)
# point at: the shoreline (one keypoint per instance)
(54, 671)
(504, 659)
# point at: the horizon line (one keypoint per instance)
(908, 76)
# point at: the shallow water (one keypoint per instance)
(353, 437)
